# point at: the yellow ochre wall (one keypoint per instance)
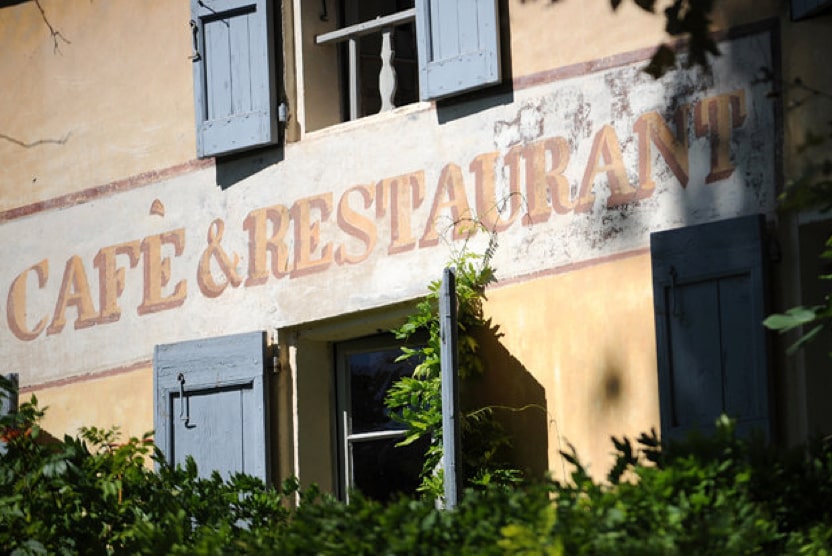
(113, 100)
(588, 346)
(123, 399)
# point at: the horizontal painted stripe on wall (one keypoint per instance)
(106, 190)
(138, 366)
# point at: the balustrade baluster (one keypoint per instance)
(387, 75)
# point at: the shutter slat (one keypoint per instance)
(8, 401)
(468, 34)
(694, 343)
(240, 56)
(218, 69)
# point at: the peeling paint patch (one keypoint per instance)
(524, 128)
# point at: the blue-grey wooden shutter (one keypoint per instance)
(459, 46)
(8, 400)
(234, 75)
(211, 403)
(807, 8)
(8, 397)
(709, 284)
(451, 447)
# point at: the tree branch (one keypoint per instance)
(52, 31)
(37, 143)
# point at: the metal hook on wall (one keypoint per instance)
(184, 415)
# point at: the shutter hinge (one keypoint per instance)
(283, 112)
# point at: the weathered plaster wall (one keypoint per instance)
(113, 102)
(575, 159)
(93, 287)
(117, 100)
(546, 34)
(807, 105)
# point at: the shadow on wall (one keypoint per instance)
(234, 168)
(611, 386)
(519, 403)
(480, 100)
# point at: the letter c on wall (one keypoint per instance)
(16, 306)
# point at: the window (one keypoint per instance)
(211, 403)
(8, 400)
(391, 49)
(369, 459)
(453, 45)
(709, 284)
(8, 397)
(362, 73)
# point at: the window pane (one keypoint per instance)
(371, 375)
(381, 469)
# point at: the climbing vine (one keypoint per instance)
(810, 189)
(416, 401)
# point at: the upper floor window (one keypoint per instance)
(378, 54)
(447, 47)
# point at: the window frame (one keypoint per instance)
(344, 439)
(469, 42)
(476, 65)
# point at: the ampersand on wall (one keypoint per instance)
(207, 284)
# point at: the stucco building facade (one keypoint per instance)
(210, 210)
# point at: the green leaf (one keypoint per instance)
(409, 439)
(55, 468)
(794, 317)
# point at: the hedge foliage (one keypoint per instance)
(721, 495)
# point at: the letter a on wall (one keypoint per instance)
(211, 403)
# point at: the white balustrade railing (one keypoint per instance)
(387, 75)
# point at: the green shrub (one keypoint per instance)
(91, 494)
(719, 495)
